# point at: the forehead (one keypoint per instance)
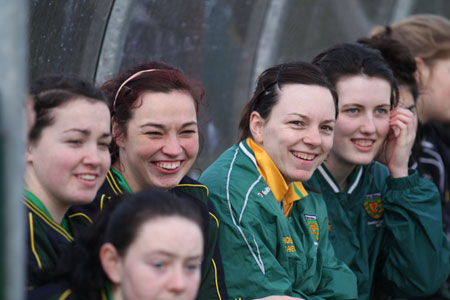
(154, 104)
(172, 235)
(305, 100)
(81, 109)
(363, 90)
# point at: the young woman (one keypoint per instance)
(147, 246)
(155, 143)
(66, 162)
(384, 222)
(273, 236)
(428, 39)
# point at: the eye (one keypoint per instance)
(153, 133)
(104, 145)
(189, 131)
(297, 123)
(75, 142)
(381, 111)
(192, 267)
(352, 110)
(327, 128)
(158, 265)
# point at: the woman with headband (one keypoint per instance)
(384, 221)
(66, 162)
(273, 234)
(155, 143)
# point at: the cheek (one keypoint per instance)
(191, 146)
(383, 128)
(327, 143)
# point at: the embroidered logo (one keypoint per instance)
(289, 244)
(313, 226)
(373, 205)
(264, 192)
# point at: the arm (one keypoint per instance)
(415, 243)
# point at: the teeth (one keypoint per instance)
(87, 177)
(364, 143)
(168, 165)
(304, 156)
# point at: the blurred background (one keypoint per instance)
(225, 44)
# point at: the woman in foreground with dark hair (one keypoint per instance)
(147, 245)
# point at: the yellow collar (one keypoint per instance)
(269, 171)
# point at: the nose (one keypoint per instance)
(178, 282)
(172, 146)
(313, 137)
(368, 124)
(92, 155)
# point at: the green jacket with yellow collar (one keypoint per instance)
(264, 252)
(387, 230)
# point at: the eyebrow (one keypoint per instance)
(86, 132)
(307, 118)
(158, 125)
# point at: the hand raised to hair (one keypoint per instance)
(399, 141)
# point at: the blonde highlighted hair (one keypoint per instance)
(427, 36)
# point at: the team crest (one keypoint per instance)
(313, 226)
(373, 205)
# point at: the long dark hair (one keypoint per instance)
(353, 59)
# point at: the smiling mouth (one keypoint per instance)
(168, 165)
(88, 177)
(304, 156)
(363, 143)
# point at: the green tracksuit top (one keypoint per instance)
(46, 238)
(263, 251)
(387, 230)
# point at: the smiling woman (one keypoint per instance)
(155, 143)
(380, 218)
(66, 162)
(273, 234)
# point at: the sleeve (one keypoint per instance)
(212, 285)
(415, 250)
(338, 281)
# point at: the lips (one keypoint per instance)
(304, 156)
(166, 165)
(87, 177)
(363, 142)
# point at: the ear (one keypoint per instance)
(111, 262)
(29, 154)
(423, 72)
(256, 127)
(117, 133)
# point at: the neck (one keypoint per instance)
(340, 170)
(116, 292)
(126, 175)
(56, 207)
